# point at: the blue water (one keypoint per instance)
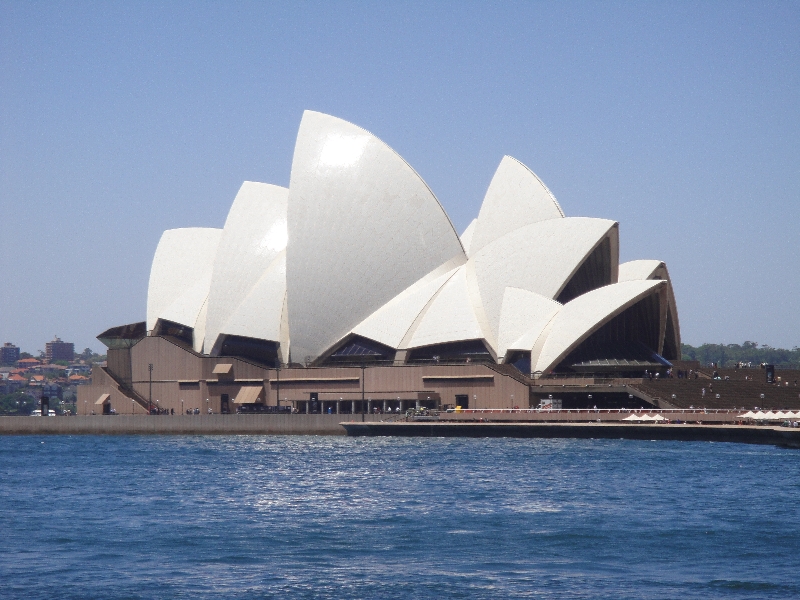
(311, 517)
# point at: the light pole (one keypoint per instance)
(150, 399)
(208, 407)
(182, 407)
(131, 405)
(363, 366)
(158, 408)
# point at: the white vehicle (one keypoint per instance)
(38, 413)
(550, 404)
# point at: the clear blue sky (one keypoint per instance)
(679, 120)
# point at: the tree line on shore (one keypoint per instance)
(728, 355)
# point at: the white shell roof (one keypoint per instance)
(391, 323)
(516, 197)
(259, 314)
(363, 226)
(359, 245)
(200, 327)
(187, 308)
(638, 269)
(523, 316)
(466, 237)
(180, 275)
(584, 315)
(450, 316)
(540, 258)
(254, 236)
(654, 269)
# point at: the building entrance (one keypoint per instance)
(462, 400)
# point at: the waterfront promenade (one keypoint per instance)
(717, 426)
(264, 424)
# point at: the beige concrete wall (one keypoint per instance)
(103, 384)
(183, 379)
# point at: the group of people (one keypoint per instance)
(657, 375)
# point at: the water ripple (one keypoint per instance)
(323, 517)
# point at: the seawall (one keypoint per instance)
(263, 424)
(779, 436)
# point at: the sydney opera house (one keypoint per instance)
(351, 291)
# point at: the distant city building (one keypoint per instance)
(9, 354)
(28, 363)
(58, 350)
(52, 390)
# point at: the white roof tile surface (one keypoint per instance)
(466, 237)
(254, 235)
(363, 226)
(392, 321)
(259, 314)
(449, 317)
(180, 274)
(523, 316)
(540, 258)
(584, 315)
(654, 269)
(638, 269)
(359, 245)
(516, 197)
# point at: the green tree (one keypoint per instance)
(727, 355)
(16, 404)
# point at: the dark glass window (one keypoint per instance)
(262, 352)
(460, 352)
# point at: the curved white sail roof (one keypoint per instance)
(254, 235)
(466, 237)
(363, 226)
(516, 197)
(584, 315)
(523, 316)
(358, 245)
(655, 269)
(391, 323)
(540, 258)
(449, 317)
(260, 312)
(639, 269)
(188, 308)
(181, 274)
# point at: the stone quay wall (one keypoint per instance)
(258, 424)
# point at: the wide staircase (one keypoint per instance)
(744, 388)
(510, 371)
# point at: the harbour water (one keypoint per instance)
(334, 517)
